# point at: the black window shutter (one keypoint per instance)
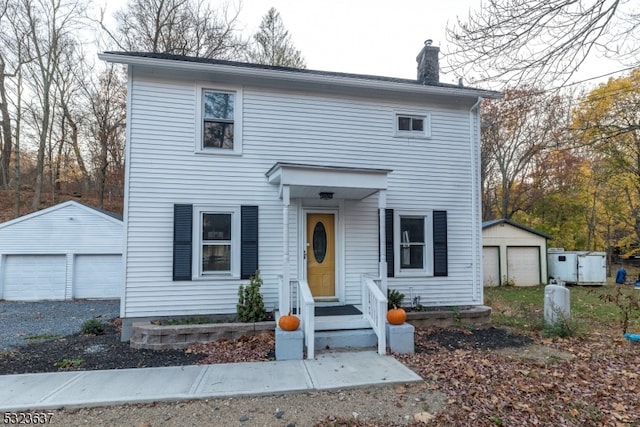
(182, 241)
(440, 267)
(388, 228)
(249, 241)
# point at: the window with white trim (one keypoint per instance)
(219, 121)
(413, 125)
(217, 236)
(413, 249)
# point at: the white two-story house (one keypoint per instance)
(329, 183)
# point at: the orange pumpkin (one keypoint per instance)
(396, 316)
(288, 322)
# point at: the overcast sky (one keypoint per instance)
(379, 37)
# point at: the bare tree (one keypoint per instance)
(51, 23)
(180, 27)
(12, 57)
(516, 132)
(106, 95)
(70, 82)
(537, 41)
(272, 44)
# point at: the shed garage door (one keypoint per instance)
(97, 276)
(34, 277)
(523, 264)
(490, 267)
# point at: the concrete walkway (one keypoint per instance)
(335, 370)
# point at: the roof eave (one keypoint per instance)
(285, 75)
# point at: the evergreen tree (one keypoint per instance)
(272, 44)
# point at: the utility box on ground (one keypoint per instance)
(557, 304)
(577, 267)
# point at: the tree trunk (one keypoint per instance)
(5, 120)
(76, 147)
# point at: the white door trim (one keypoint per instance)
(339, 249)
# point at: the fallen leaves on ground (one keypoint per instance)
(249, 348)
(599, 385)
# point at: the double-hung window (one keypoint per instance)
(208, 242)
(218, 241)
(413, 244)
(219, 121)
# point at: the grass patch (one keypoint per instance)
(68, 363)
(523, 308)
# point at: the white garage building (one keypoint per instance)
(513, 253)
(66, 251)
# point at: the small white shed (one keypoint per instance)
(513, 253)
(66, 251)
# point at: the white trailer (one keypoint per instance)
(584, 268)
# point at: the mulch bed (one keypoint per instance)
(80, 352)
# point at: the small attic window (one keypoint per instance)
(413, 125)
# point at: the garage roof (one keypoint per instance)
(488, 224)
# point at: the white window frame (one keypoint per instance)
(237, 118)
(234, 272)
(425, 133)
(427, 269)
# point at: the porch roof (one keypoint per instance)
(308, 181)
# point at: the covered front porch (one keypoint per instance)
(320, 213)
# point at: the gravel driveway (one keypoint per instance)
(20, 322)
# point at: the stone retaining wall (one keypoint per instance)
(475, 317)
(164, 337)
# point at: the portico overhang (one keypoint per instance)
(311, 181)
(299, 181)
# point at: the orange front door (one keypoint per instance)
(321, 254)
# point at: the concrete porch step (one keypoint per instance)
(336, 323)
(344, 339)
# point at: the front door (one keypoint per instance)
(321, 254)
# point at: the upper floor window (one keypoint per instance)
(219, 121)
(413, 125)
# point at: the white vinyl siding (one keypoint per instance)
(289, 127)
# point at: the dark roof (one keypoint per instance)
(102, 211)
(487, 224)
(154, 55)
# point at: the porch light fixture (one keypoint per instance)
(325, 195)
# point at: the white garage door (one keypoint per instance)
(97, 276)
(34, 277)
(523, 264)
(490, 266)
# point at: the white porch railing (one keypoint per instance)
(374, 309)
(305, 308)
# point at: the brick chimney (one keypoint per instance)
(428, 67)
